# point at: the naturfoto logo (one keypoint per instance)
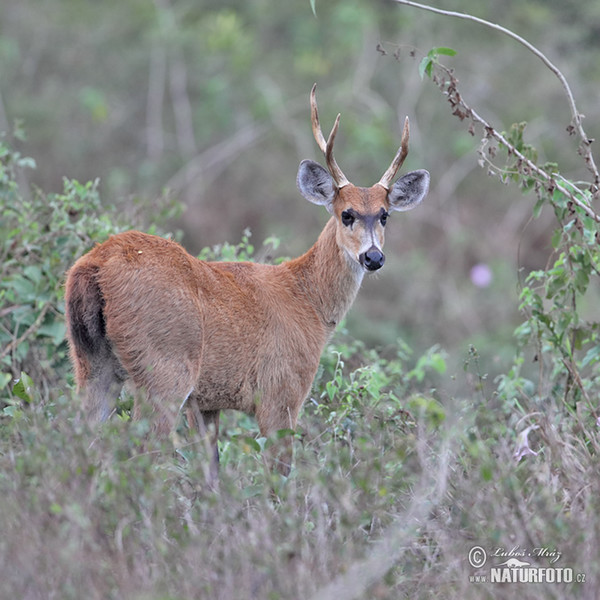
(517, 565)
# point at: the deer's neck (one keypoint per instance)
(328, 277)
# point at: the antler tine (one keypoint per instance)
(332, 165)
(326, 146)
(314, 119)
(387, 177)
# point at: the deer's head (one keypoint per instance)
(361, 213)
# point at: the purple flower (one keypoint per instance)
(481, 275)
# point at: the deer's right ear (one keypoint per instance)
(316, 184)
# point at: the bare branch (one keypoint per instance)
(462, 109)
(575, 114)
(216, 158)
(155, 102)
(182, 108)
(184, 122)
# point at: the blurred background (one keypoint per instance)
(209, 99)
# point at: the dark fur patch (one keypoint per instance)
(85, 307)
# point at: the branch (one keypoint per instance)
(577, 125)
(182, 108)
(31, 329)
(217, 157)
(462, 110)
(155, 142)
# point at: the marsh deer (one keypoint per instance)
(210, 336)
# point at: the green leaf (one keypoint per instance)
(582, 280)
(12, 411)
(23, 388)
(5, 379)
(55, 329)
(286, 432)
(331, 389)
(33, 273)
(486, 472)
(556, 284)
(23, 287)
(537, 209)
(445, 51)
(425, 66)
(427, 62)
(556, 238)
(592, 356)
(248, 444)
(438, 363)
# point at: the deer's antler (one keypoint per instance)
(387, 177)
(326, 146)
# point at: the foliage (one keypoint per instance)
(40, 235)
(552, 298)
(432, 58)
(396, 475)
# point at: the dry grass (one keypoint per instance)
(385, 501)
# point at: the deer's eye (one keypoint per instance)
(383, 219)
(348, 218)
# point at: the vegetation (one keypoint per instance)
(400, 468)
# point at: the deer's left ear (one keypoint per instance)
(409, 190)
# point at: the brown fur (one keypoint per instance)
(219, 335)
(241, 336)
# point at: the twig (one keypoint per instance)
(155, 137)
(217, 157)
(575, 114)
(572, 369)
(9, 309)
(182, 108)
(32, 328)
(462, 109)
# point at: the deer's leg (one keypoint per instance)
(206, 422)
(162, 388)
(272, 417)
(102, 385)
(210, 419)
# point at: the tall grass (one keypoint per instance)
(390, 490)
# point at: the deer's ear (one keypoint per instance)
(316, 184)
(409, 190)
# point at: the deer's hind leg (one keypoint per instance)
(160, 384)
(161, 410)
(101, 383)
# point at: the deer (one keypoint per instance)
(205, 336)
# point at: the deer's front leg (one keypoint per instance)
(206, 422)
(210, 430)
(272, 418)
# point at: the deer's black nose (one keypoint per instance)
(372, 259)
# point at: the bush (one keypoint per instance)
(40, 237)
